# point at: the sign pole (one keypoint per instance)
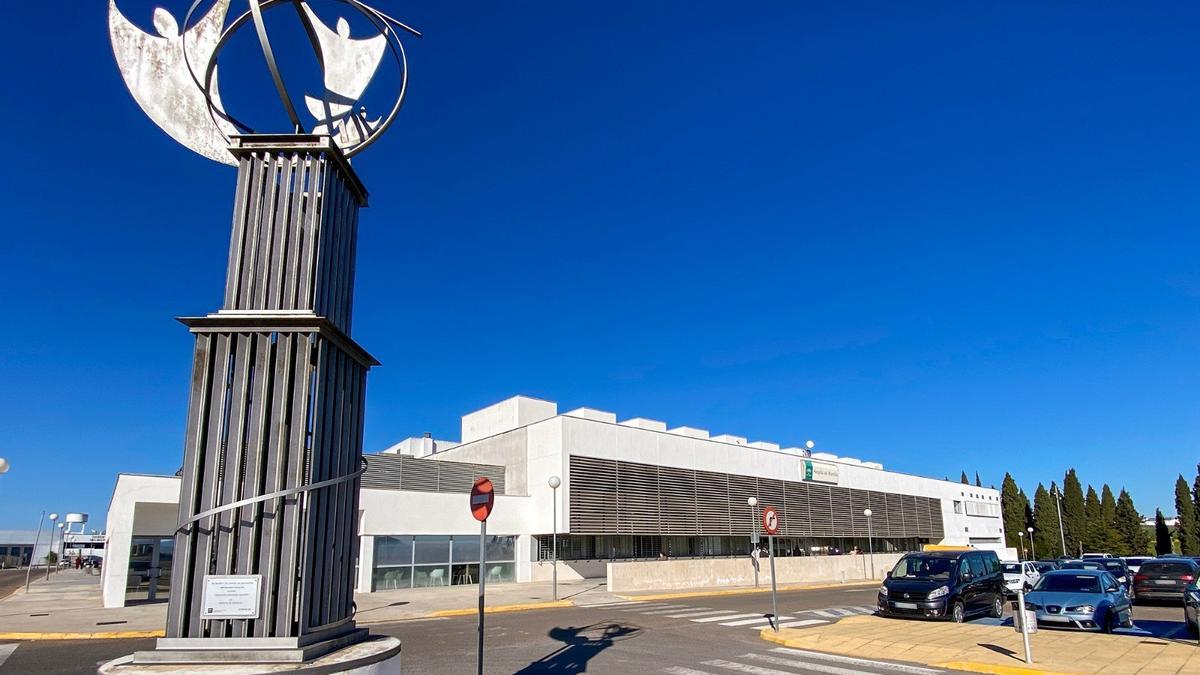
(774, 604)
(1022, 620)
(482, 583)
(36, 540)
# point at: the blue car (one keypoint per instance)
(1080, 599)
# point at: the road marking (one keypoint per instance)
(801, 624)
(897, 667)
(657, 609)
(7, 650)
(746, 668)
(676, 608)
(651, 605)
(842, 611)
(722, 618)
(680, 670)
(824, 613)
(866, 610)
(688, 615)
(614, 603)
(760, 619)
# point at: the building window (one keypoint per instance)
(406, 561)
(958, 507)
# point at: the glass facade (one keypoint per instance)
(420, 561)
(636, 547)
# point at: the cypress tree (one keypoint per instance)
(963, 479)
(1012, 511)
(1162, 535)
(1074, 513)
(1028, 508)
(1093, 534)
(1131, 538)
(1196, 500)
(1185, 511)
(1045, 523)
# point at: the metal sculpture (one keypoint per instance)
(173, 76)
(273, 452)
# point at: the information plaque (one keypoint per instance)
(231, 596)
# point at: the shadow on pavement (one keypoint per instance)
(1005, 651)
(579, 646)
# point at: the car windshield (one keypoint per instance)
(1012, 568)
(1069, 583)
(937, 569)
(1166, 568)
(1115, 566)
(1082, 565)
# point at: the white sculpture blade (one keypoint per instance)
(350, 64)
(157, 76)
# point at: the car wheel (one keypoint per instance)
(997, 607)
(958, 613)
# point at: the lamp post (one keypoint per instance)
(870, 541)
(36, 540)
(1020, 545)
(62, 545)
(1032, 552)
(1057, 494)
(3, 465)
(554, 482)
(753, 502)
(53, 517)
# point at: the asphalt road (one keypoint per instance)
(11, 580)
(688, 636)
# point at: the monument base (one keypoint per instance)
(376, 655)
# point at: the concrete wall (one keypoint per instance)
(140, 506)
(569, 570)
(715, 572)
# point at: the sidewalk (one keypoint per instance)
(68, 606)
(992, 649)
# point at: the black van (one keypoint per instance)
(944, 585)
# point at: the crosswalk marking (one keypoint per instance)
(806, 665)
(7, 650)
(801, 624)
(688, 615)
(673, 608)
(680, 670)
(723, 618)
(745, 667)
(897, 667)
(651, 605)
(613, 603)
(761, 619)
(821, 612)
(866, 610)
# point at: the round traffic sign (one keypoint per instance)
(483, 496)
(770, 520)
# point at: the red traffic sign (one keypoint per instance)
(483, 496)
(770, 520)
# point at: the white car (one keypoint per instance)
(1018, 574)
(1093, 556)
(1134, 563)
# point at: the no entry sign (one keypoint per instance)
(770, 520)
(482, 498)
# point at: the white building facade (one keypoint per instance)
(632, 489)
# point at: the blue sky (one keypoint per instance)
(941, 236)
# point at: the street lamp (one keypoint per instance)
(1057, 494)
(3, 465)
(753, 502)
(53, 517)
(1021, 544)
(1032, 552)
(62, 544)
(870, 541)
(36, 540)
(554, 482)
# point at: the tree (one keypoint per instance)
(1012, 510)
(1162, 535)
(1028, 508)
(1196, 500)
(978, 483)
(1074, 513)
(964, 480)
(1045, 522)
(1185, 512)
(1132, 538)
(1108, 510)
(1093, 526)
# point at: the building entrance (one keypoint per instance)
(149, 578)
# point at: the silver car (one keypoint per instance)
(1080, 599)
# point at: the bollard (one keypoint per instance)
(1021, 622)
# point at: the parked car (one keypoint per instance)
(1083, 599)
(1134, 562)
(1082, 565)
(1044, 566)
(1120, 572)
(950, 585)
(1164, 578)
(1191, 607)
(1019, 575)
(1090, 556)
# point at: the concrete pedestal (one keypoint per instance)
(377, 655)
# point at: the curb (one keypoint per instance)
(746, 591)
(501, 608)
(111, 635)
(970, 666)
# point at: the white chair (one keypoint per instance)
(495, 572)
(439, 575)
